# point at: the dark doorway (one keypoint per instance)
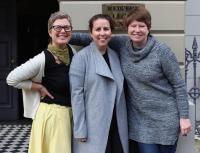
(8, 96)
(32, 35)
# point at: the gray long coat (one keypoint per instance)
(95, 90)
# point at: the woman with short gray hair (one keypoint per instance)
(44, 82)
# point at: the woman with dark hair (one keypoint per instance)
(44, 82)
(156, 93)
(98, 101)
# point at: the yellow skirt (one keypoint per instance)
(51, 130)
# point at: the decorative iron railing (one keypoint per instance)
(193, 57)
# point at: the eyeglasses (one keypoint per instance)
(59, 28)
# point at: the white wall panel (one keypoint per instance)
(192, 25)
(193, 7)
(167, 15)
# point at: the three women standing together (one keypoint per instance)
(155, 92)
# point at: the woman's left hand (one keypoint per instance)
(185, 126)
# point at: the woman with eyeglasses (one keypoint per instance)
(46, 92)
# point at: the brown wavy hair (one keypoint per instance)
(140, 14)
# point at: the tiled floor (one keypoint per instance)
(14, 136)
(197, 131)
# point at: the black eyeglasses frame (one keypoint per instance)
(59, 28)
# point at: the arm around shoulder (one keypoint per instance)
(117, 42)
(80, 39)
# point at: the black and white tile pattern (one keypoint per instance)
(197, 133)
(14, 138)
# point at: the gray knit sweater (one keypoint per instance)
(156, 93)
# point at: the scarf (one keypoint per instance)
(61, 54)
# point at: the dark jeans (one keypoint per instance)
(114, 144)
(156, 148)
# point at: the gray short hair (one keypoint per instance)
(58, 15)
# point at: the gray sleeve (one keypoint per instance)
(84, 39)
(80, 39)
(117, 42)
(171, 70)
(77, 77)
